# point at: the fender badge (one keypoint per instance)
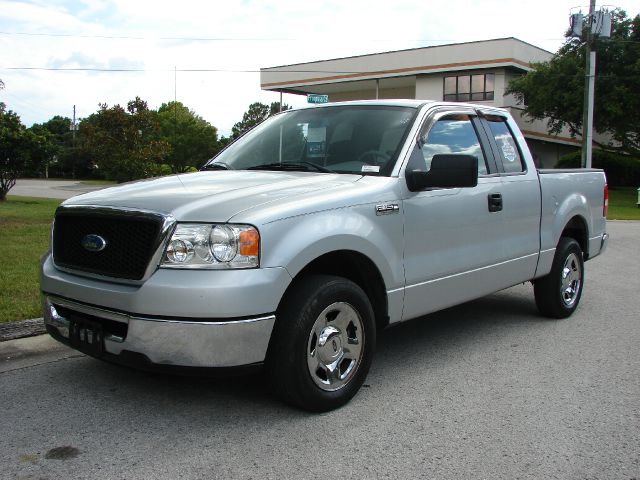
(387, 208)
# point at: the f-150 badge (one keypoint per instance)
(387, 208)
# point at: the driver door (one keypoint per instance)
(452, 238)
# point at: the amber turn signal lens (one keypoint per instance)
(249, 243)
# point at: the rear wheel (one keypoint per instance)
(558, 294)
(323, 343)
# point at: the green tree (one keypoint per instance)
(41, 151)
(193, 140)
(257, 113)
(554, 90)
(17, 146)
(65, 159)
(223, 142)
(124, 144)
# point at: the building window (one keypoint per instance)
(469, 88)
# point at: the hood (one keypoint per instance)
(214, 196)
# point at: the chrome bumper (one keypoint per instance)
(174, 342)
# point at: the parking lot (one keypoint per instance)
(61, 189)
(488, 390)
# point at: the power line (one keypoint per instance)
(223, 39)
(254, 39)
(222, 70)
(131, 37)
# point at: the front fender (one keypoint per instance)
(295, 242)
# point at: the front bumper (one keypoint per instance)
(180, 318)
(128, 339)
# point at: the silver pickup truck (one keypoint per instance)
(294, 247)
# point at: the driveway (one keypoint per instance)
(485, 390)
(62, 189)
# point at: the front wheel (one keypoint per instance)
(558, 293)
(323, 343)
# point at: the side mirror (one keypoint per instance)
(447, 171)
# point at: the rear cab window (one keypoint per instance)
(508, 151)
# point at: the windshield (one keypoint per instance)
(341, 139)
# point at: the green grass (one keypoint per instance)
(623, 204)
(24, 237)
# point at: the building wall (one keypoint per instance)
(547, 154)
(500, 86)
(509, 100)
(429, 87)
(400, 92)
(352, 95)
(384, 93)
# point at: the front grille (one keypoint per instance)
(131, 241)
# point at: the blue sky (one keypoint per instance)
(249, 35)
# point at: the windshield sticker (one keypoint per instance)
(316, 138)
(508, 151)
(370, 168)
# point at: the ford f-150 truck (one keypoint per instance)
(295, 246)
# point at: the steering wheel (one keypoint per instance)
(376, 155)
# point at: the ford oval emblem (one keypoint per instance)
(93, 243)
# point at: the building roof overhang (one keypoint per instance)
(402, 65)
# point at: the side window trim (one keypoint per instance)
(487, 147)
(497, 159)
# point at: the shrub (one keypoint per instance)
(621, 170)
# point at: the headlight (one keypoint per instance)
(199, 245)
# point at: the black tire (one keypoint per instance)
(557, 296)
(327, 303)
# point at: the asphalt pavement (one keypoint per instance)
(485, 390)
(42, 188)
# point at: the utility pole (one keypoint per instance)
(589, 87)
(73, 126)
(598, 25)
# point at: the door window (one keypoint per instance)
(453, 134)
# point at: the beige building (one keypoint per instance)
(477, 72)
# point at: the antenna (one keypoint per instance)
(175, 113)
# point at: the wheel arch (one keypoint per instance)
(358, 268)
(577, 229)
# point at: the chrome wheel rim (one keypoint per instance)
(571, 280)
(335, 346)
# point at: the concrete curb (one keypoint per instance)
(21, 329)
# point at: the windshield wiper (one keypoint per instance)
(216, 166)
(293, 166)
